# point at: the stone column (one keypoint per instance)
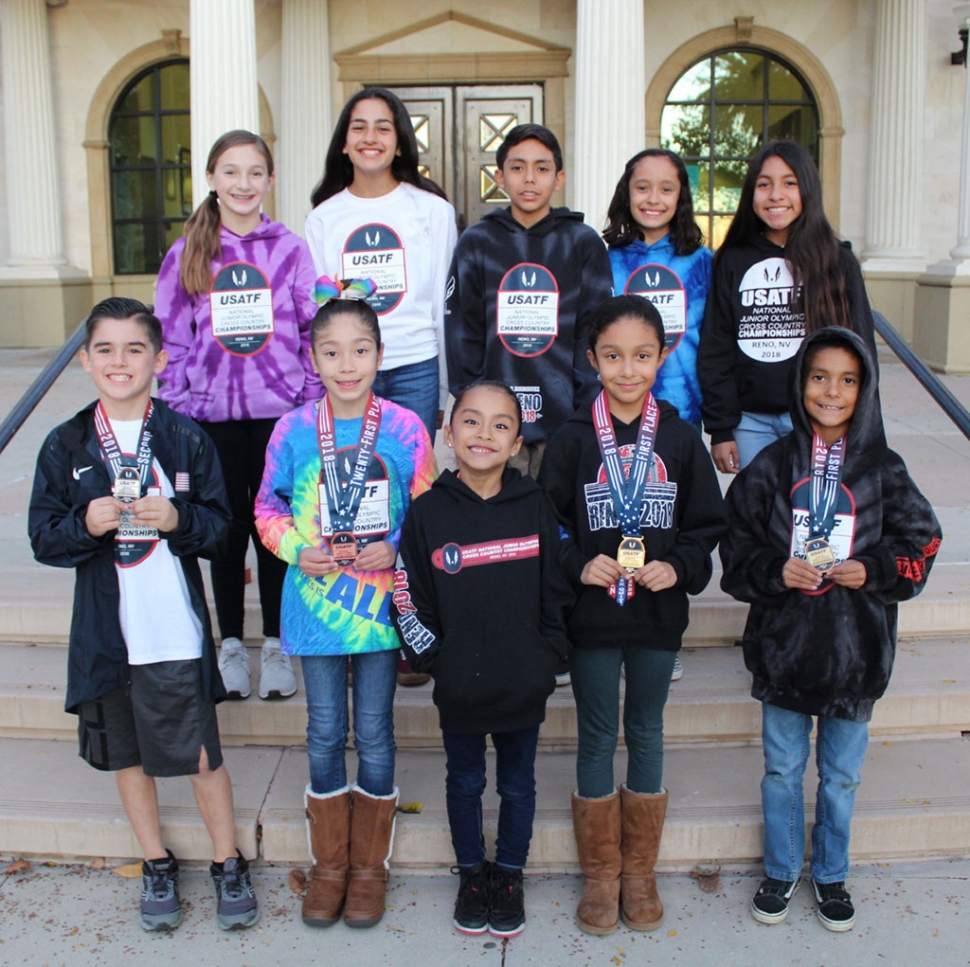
(224, 91)
(33, 197)
(961, 254)
(610, 91)
(305, 112)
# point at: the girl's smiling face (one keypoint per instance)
(371, 142)
(777, 199)
(346, 358)
(627, 358)
(654, 193)
(241, 180)
(484, 430)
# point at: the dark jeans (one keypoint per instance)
(596, 684)
(241, 445)
(515, 780)
(414, 386)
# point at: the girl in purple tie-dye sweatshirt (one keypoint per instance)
(235, 296)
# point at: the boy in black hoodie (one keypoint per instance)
(480, 604)
(827, 532)
(523, 283)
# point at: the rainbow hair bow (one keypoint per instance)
(327, 289)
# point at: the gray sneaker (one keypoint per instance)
(678, 673)
(276, 679)
(234, 668)
(160, 908)
(236, 899)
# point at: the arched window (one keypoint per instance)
(717, 115)
(151, 175)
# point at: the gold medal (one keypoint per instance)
(819, 553)
(631, 554)
(127, 485)
(343, 548)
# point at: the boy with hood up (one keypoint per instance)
(826, 533)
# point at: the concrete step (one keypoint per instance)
(914, 802)
(36, 606)
(929, 693)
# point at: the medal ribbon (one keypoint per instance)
(627, 493)
(343, 505)
(823, 496)
(111, 450)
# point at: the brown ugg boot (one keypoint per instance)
(642, 826)
(328, 836)
(596, 823)
(371, 842)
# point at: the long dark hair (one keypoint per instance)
(338, 171)
(812, 248)
(621, 229)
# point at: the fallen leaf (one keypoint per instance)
(936, 933)
(621, 951)
(74, 932)
(708, 877)
(297, 881)
(395, 926)
(672, 933)
(129, 871)
(616, 960)
(18, 866)
(410, 807)
(97, 863)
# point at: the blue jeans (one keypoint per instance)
(595, 674)
(325, 680)
(515, 780)
(756, 431)
(840, 747)
(414, 386)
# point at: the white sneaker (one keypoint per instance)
(234, 668)
(678, 673)
(276, 678)
(562, 679)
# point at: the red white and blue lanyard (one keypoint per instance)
(344, 504)
(823, 496)
(111, 449)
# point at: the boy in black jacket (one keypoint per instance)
(523, 283)
(480, 604)
(130, 493)
(827, 532)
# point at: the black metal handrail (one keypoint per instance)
(22, 409)
(932, 383)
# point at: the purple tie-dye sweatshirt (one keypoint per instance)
(241, 351)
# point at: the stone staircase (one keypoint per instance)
(914, 801)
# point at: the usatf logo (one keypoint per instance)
(241, 280)
(375, 251)
(659, 495)
(527, 309)
(663, 287)
(241, 309)
(770, 328)
(451, 558)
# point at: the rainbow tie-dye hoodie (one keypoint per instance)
(348, 611)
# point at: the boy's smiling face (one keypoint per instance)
(831, 392)
(529, 177)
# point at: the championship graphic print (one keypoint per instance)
(373, 521)
(527, 318)
(659, 495)
(134, 542)
(843, 531)
(663, 287)
(769, 330)
(376, 252)
(241, 307)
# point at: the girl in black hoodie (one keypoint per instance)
(634, 559)
(480, 604)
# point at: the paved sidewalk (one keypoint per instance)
(915, 914)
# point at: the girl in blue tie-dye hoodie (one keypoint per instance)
(656, 252)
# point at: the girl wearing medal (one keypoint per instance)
(339, 478)
(235, 296)
(642, 508)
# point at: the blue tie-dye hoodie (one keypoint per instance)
(635, 270)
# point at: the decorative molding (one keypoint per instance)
(172, 41)
(450, 68)
(743, 26)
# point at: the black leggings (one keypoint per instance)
(241, 445)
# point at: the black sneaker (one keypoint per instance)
(506, 902)
(160, 908)
(770, 903)
(835, 908)
(236, 898)
(471, 906)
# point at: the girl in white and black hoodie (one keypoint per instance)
(821, 633)
(480, 602)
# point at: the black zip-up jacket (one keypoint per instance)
(540, 354)
(683, 517)
(480, 602)
(829, 652)
(97, 660)
(751, 334)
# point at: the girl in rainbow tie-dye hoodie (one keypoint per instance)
(339, 478)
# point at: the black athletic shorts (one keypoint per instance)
(160, 721)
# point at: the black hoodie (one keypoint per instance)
(516, 310)
(480, 602)
(683, 517)
(828, 652)
(750, 332)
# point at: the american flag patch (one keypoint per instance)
(182, 483)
